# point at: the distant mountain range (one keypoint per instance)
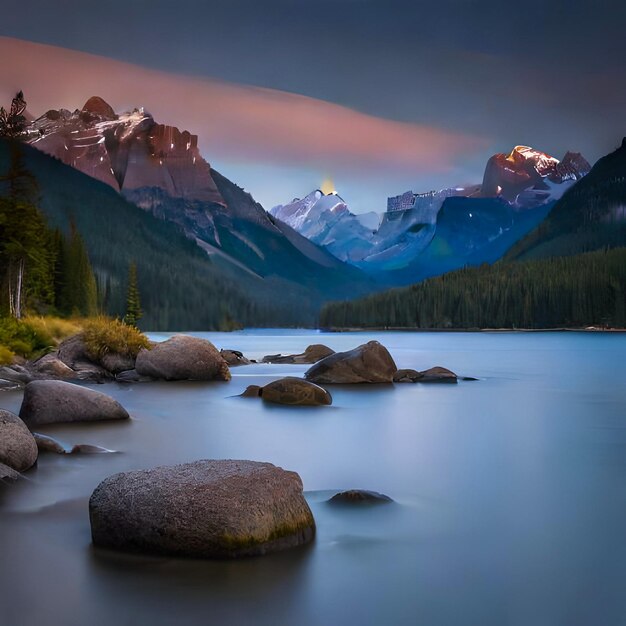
(280, 266)
(426, 234)
(160, 170)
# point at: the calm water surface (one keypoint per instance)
(510, 493)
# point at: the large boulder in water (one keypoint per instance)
(291, 390)
(52, 401)
(18, 448)
(183, 358)
(212, 509)
(369, 363)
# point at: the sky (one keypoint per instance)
(379, 96)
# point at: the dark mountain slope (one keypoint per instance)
(591, 215)
(181, 286)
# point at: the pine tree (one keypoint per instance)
(133, 302)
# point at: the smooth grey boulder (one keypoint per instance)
(360, 496)
(368, 363)
(8, 473)
(18, 448)
(116, 363)
(210, 509)
(313, 353)
(53, 401)
(183, 358)
(291, 390)
(234, 357)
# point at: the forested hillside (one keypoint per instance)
(181, 288)
(591, 215)
(574, 291)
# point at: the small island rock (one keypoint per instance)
(360, 496)
(53, 401)
(313, 353)
(437, 375)
(210, 509)
(234, 357)
(183, 358)
(368, 363)
(291, 390)
(18, 448)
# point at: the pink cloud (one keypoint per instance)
(233, 121)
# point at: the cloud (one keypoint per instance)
(236, 122)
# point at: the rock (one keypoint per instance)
(183, 358)
(234, 357)
(15, 374)
(116, 363)
(368, 363)
(18, 448)
(437, 375)
(291, 390)
(73, 353)
(86, 448)
(9, 385)
(407, 376)
(51, 367)
(360, 496)
(49, 444)
(132, 376)
(314, 353)
(53, 401)
(212, 509)
(252, 391)
(8, 473)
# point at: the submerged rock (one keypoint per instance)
(234, 358)
(132, 376)
(291, 390)
(53, 401)
(360, 496)
(46, 443)
(8, 473)
(313, 353)
(211, 509)
(18, 448)
(183, 358)
(368, 363)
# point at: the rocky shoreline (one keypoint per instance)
(194, 509)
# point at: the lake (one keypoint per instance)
(510, 493)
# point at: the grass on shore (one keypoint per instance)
(33, 336)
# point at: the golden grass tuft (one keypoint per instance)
(103, 335)
(6, 356)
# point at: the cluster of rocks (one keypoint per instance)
(179, 358)
(195, 509)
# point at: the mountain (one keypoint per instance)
(326, 220)
(591, 215)
(160, 169)
(426, 234)
(527, 177)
